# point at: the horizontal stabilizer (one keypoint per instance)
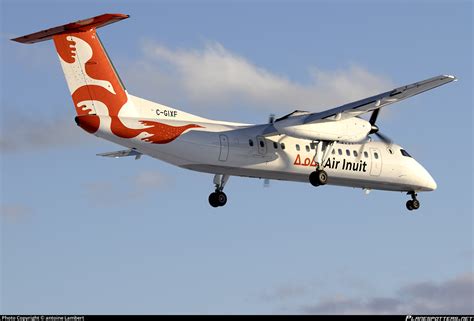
(78, 26)
(122, 153)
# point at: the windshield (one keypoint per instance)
(405, 153)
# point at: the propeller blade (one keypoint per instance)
(384, 138)
(373, 117)
(271, 118)
(375, 129)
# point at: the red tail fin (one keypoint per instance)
(95, 87)
(78, 26)
(98, 94)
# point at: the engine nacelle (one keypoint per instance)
(349, 130)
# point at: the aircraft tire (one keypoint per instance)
(213, 200)
(415, 204)
(410, 205)
(313, 179)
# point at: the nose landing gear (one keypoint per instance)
(218, 198)
(413, 204)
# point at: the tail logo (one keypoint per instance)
(96, 90)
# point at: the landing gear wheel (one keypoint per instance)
(318, 177)
(217, 199)
(322, 177)
(213, 200)
(221, 198)
(413, 204)
(313, 179)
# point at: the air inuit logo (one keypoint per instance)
(360, 166)
(306, 162)
(96, 90)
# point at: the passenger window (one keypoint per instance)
(348, 152)
(333, 151)
(282, 145)
(297, 147)
(366, 155)
(376, 156)
(313, 145)
(262, 144)
(250, 142)
(355, 153)
(307, 148)
(339, 151)
(275, 145)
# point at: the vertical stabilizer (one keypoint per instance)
(95, 86)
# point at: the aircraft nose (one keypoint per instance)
(430, 184)
(426, 180)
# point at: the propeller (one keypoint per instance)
(271, 118)
(376, 130)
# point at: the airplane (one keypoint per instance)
(332, 147)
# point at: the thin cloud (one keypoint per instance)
(26, 132)
(147, 181)
(214, 76)
(38, 57)
(455, 295)
(286, 292)
(127, 188)
(209, 77)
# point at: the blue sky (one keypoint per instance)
(83, 234)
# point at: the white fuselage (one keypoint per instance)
(243, 150)
(326, 147)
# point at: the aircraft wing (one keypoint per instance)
(378, 101)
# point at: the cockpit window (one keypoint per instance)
(404, 153)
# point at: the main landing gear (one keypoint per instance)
(413, 204)
(218, 198)
(318, 177)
